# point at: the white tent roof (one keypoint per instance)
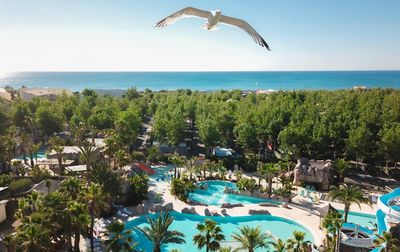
(76, 168)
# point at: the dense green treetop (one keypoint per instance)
(358, 125)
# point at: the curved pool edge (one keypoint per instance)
(196, 196)
(316, 236)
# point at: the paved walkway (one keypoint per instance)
(300, 211)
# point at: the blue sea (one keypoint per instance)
(205, 81)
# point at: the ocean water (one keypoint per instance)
(203, 81)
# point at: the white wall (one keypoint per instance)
(3, 215)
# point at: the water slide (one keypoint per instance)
(389, 212)
(145, 168)
(389, 204)
(357, 236)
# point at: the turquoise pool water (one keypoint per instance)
(163, 173)
(186, 223)
(215, 195)
(40, 154)
(362, 219)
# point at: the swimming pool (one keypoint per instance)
(215, 195)
(363, 219)
(186, 223)
(163, 173)
(40, 154)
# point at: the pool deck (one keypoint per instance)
(300, 211)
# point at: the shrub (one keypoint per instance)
(138, 187)
(20, 186)
(181, 188)
(138, 155)
(39, 174)
(18, 168)
(246, 184)
(153, 154)
(5, 179)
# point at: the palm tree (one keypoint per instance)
(119, 239)
(88, 153)
(34, 199)
(297, 242)
(79, 133)
(209, 236)
(388, 241)
(24, 141)
(10, 143)
(348, 195)
(120, 159)
(8, 242)
(191, 166)
(268, 171)
(250, 238)
(71, 187)
(33, 151)
(79, 220)
(341, 166)
(33, 237)
(31, 122)
(332, 223)
(158, 232)
(286, 188)
(22, 207)
(222, 170)
(102, 174)
(279, 245)
(97, 201)
(57, 144)
(178, 161)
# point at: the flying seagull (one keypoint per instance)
(213, 18)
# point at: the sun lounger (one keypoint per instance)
(126, 211)
(101, 229)
(121, 214)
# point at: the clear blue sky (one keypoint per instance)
(117, 35)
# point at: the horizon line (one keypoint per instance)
(199, 71)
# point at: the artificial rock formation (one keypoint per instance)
(313, 172)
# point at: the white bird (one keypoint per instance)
(213, 18)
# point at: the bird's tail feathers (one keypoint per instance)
(206, 27)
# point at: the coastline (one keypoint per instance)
(205, 81)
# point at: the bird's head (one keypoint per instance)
(217, 12)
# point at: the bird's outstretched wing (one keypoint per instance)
(189, 11)
(246, 27)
